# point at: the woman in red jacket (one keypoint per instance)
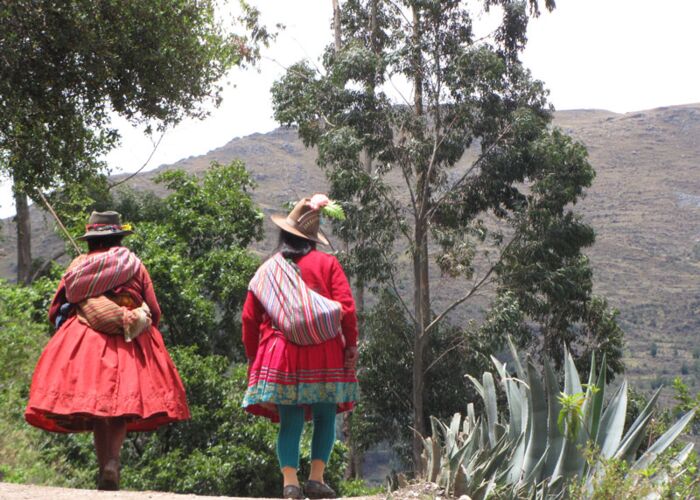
(89, 380)
(290, 383)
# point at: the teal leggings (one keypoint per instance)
(291, 426)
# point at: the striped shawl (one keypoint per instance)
(302, 315)
(100, 272)
(88, 283)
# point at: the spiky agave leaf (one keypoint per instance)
(482, 456)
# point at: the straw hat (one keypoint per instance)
(102, 224)
(303, 221)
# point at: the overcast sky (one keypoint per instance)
(619, 55)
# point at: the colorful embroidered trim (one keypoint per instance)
(320, 392)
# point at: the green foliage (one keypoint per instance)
(537, 447)
(202, 211)
(28, 455)
(357, 488)
(384, 413)
(685, 402)
(193, 243)
(334, 211)
(571, 414)
(614, 479)
(69, 65)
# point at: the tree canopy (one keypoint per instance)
(69, 67)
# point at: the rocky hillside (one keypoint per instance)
(644, 204)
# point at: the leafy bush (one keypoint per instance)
(615, 479)
(193, 243)
(384, 413)
(357, 488)
(28, 455)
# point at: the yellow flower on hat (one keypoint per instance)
(127, 227)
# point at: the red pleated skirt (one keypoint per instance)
(83, 374)
(289, 374)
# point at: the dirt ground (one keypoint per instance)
(10, 491)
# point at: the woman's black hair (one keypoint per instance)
(293, 246)
(104, 242)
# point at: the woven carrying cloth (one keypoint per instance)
(99, 273)
(302, 315)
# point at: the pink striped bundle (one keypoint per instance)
(100, 272)
(302, 315)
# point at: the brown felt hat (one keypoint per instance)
(102, 224)
(302, 221)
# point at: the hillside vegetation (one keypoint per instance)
(644, 205)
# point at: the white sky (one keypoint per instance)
(619, 55)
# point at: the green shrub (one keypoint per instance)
(614, 478)
(357, 488)
(23, 332)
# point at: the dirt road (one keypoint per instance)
(9, 491)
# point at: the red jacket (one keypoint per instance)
(322, 273)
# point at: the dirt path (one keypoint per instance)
(9, 491)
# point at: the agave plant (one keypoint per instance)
(539, 444)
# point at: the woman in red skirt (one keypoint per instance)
(291, 383)
(106, 383)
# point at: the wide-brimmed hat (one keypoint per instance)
(304, 221)
(102, 224)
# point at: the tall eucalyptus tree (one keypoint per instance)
(466, 165)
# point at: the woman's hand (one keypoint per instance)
(351, 356)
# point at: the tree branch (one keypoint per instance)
(392, 282)
(459, 301)
(471, 292)
(404, 171)
(431, 165)
(464, 177)
(46, 264)
(395, 211)
(444, 353)
(148, 160)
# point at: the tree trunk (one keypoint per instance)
(336, 24)
(422, 314)
(421, 296)
(360, 306)
(24, 238)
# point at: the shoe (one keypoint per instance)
(315, 489)
(109, 477)
(292, 491)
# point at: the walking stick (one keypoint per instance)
(60, 224)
